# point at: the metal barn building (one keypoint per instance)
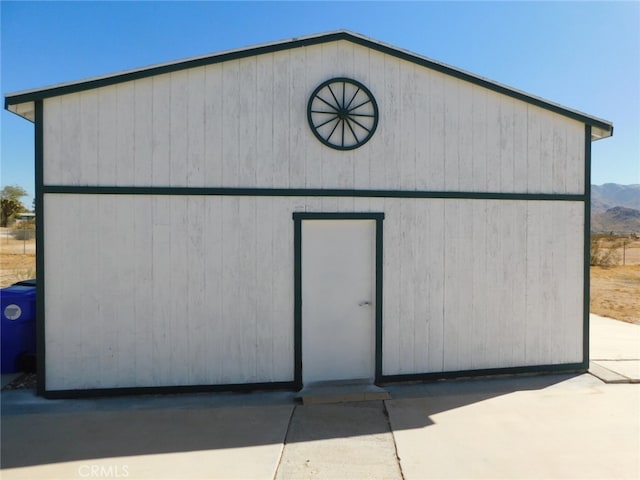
(323, 208)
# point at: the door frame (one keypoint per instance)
(298, 218)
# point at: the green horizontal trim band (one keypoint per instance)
(305, 192)
(338, 216)
(297, 43)
(114, 392)
(248, 387)
(533, 369)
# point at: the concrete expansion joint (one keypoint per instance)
(395, 445)
(616, 360)
(609, 376)
(284, 443)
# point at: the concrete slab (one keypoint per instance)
(572, 427)
(613, 339)
(339, 441)
(629, 369)
(342, 391)
(151, 443)
(555, 426)
(614, 350)
(606, 375)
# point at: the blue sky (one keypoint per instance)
(583, 55)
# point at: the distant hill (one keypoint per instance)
(615, 208)
(617, 220)
(609, 195)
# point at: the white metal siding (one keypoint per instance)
(242, 123)
(472, 284)
(187, 290)
(148, 291)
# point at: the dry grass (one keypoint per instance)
(17, 259)
(615, 291)
(627, 251)
(630, 253)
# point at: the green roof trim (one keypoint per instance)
(15, 99)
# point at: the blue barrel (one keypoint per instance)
(18, 328)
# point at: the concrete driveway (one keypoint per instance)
(552, 427)
(614, 350)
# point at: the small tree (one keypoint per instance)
(10, 203)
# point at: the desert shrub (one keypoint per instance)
(24, 231)
(605, 250)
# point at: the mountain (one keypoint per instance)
(609, 195)
(615, 208)
(617, 220)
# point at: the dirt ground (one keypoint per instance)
(17, 259)
(615, 291)
(630, 254)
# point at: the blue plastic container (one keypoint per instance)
(18, 327)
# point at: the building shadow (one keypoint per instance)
(38, 432)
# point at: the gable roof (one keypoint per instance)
(22, 103)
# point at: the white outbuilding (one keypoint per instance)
(323, 208)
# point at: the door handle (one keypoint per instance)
(362, 304)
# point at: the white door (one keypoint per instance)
(338, 299)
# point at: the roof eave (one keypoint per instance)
(19, 102)
(157, 69)
(25, 110)
(598, 133)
